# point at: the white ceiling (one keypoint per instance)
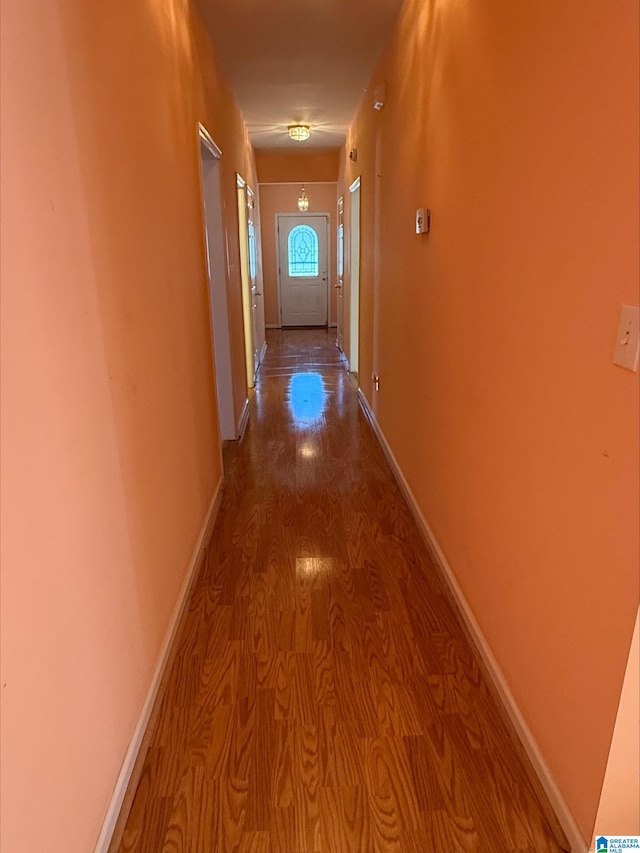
(298, 61)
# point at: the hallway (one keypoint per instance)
(324, 696)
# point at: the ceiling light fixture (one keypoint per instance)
(299, 132)
(303, 201)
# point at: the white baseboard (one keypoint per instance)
(556, 800)
(279, 326)
(263, 352)
(117, 799)
(244, 419)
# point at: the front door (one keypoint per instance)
(302, 254)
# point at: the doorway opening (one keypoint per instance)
(354, 278)
(216, 266)
(302, 256)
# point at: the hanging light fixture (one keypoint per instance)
(303, 201)
(299, 132)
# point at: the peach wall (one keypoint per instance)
(619, 809)
(278, 167)
(517, 124)
(283, 198)
(110, 450)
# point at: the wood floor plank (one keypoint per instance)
(392, 797)
(190, 821)
(345, 820)
(149, 814)
(263, 744)
(283, 782)
(341, 755)
(307, 777)
(324, 696)
(229, 797)
(254, 842)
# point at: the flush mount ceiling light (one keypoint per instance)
(299, 132)
(303, 201)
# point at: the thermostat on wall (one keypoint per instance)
(423, 220)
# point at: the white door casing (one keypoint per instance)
(243, 243)
(252, 306)
(354, 277)
(257, 301)
(302, 269)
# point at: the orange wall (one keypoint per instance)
(517, 124)
(283, 198)
(110, 449)
(275, 166)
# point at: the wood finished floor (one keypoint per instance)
(324, 696)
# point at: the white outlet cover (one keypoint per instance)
(627, 340)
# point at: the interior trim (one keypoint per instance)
(295, 183)
(207, 139)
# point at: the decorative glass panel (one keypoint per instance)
(303, 252)
(252, 250)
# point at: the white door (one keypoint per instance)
(340, 282)
(302, 262)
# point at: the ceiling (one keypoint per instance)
(298, 61)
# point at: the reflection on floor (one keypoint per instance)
(324, 696)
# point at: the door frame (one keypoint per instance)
(354, 280)
(327, 219)
(215, 247)
(245, 280)
(255, 280)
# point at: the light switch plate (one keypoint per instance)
(626, 352)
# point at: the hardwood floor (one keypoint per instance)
(324, 696)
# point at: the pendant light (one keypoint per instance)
(303, 201)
